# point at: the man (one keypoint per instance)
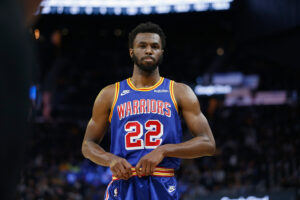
(143, 112)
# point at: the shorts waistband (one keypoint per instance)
(158, 171)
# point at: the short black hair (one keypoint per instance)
(147, 27)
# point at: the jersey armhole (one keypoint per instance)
(172, 94)
(115, 100)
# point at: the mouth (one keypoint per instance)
(148, 59)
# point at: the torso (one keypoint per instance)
(144, 118)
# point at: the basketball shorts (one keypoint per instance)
(161, 185)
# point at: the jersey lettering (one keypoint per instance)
(128, 109)
(136, 107)
(153, 106)
(143, 106)
(154, 133)
(134, 133)
(167, 107)
(160, 106)
(121, 110)
(148, 105)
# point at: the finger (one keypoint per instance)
(152, 168)
(116, 172)
(144, 167)
(118, 169)
(123, 172)
(126, 170)
(138, 169)
(128, 167)
(148, 169)
(113, 170)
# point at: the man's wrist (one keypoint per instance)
(164, 149)
(110, 158)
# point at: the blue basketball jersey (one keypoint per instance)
(143, 119)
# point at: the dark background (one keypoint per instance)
(257, 145)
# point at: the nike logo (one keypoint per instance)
(125, 92)
(171, 188)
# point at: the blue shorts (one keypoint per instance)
(144, 188)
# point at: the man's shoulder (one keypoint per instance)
(107, 93)
(182, 91)
(108, 89)
(179, 86)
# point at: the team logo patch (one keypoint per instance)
(171, 188)
(115, 192)
(161, 91)
(125, 92)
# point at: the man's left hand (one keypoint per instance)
(146, 165)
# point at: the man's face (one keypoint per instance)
(147, 52)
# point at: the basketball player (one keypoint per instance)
(143, 112)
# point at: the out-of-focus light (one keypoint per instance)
(146, 10)
(32, 93)
(221, 6)
(74, 10)
(37, 34)
(88, 10)
(163, 9)
(201, 6)
(132, 11)
(89, 177)
(247, 198)
(71, 178)
(60, 10)
(103, 10)
(46, 10)
(118, 10)
(220, 51)
(130, 7)
(212, 89)
(182, 8)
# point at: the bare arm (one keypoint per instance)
(94, 134)
(203, 143)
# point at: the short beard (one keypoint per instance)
(147, 68)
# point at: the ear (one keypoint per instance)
(131, 52)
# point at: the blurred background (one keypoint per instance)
(241, 57)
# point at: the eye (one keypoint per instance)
(155, 46)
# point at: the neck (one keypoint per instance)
(144, 79)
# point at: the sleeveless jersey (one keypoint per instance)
(143, 119)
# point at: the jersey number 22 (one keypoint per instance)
(152, 138)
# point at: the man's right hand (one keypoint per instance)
(120, 168)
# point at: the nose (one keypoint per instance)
(148, 50)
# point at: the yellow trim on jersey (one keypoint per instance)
(158, 171)
(115, 100)
(145, 89)
(172, 94)
(162, 174)
(164, 169)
